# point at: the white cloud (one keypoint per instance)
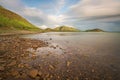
(15, 5)
(91, 8)
(59, 5)
(43, 26)
(36, 15)
(34, 12)
(104, 13)
(85, 12)
(40, 18)
(56, 19)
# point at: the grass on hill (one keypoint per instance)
(10, 21)
(66, 29)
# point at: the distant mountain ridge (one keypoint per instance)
(95, 30)
(62, 29)
(70, 29)
(10, 21)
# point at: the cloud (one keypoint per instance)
(43, 26)
(46, 18)
(92, 8)
(59, 5)
(94, 13)
(84, 14)
(53, 6)
(14, 5)
(37, 16)
(33, 12)
(95, 10)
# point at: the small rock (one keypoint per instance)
(14, 73)
(86, 79)
(35, 46)
(58, 77)
(2, 61)
(27, 65)
(39, 73)
(68, 63)
(33, 73)
(37, 78)
(50, 38)
(23, 75)
(21, 65)
(47, 76)
(93, 70)
(51, 76)
(67, 70)
(1, 78)
(51, 66)
(12, 63)
(2, 68)
(13, 57)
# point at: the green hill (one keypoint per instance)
(48, 30)
(12, 22)
(94, 30)
(65, 29)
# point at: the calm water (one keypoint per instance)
(82, 42)
(94, 55)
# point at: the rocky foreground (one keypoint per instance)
(13, 53)
(17, 62)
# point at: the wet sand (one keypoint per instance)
(31, 59)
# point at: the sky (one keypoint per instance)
(81, 14)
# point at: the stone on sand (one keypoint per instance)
(14, 73)
(33, 73)
(12, 63)
(2, 68)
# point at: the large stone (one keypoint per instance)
(33, 73)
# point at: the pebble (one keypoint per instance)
(33, 73)
(68, 63)
(39, 73)
(51, 66)
(14, 73)
(1, 78)
(50, 38)
(12, 63)
(35, 46)
(2, 68)
(23, 75)
(93, 70)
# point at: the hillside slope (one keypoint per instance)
(65, 29)
(10, 21)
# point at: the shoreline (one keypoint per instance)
(20, 33)
(29, 32)
(18, 62)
